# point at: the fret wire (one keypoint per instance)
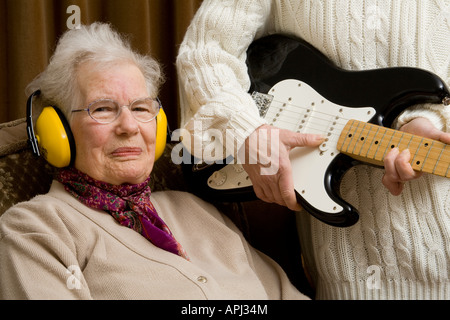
(356, 142)
(359, 137)
(398, 144)
(379, 144)
(388, 144)
(438, 159)
(426, 157)
(377, 136)
(368, 149)
(417, 150)
(446, 172)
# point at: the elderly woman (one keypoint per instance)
(98, 233)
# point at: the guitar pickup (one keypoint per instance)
(263, 102)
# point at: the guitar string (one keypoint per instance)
(308, 113)
(335, 124)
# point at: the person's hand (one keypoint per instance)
(268, 164)
(398, 169)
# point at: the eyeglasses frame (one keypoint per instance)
(120, 109)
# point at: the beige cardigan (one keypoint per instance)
(54, 247)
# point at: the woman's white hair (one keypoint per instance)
(97, 43)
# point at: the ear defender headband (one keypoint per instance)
(54, 139)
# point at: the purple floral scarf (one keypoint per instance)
(129, 204)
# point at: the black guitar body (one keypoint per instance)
(389, 91)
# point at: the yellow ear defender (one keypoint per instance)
(53, 137)
(161, 133)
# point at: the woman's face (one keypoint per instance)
(122, 151)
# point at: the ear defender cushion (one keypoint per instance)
(161, 133)
(55, 138)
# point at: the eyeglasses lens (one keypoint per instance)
(106, 111)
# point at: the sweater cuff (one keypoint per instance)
(437, 114)
(243, 125)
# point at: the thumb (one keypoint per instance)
(445, 137)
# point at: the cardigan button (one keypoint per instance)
(202, 279)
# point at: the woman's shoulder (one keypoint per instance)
(55, 195)
(43, 211)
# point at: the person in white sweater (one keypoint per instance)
(400, 247)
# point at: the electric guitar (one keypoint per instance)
(297, 88)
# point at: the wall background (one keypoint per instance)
(29, 30)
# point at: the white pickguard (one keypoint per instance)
(296, 106)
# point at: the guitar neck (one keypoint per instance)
(370, 143)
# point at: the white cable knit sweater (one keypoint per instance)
(400, 248)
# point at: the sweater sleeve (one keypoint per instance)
(438, 114)
(213, 75)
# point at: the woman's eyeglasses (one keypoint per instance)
(107, 110)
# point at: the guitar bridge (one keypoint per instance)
(262, 101)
